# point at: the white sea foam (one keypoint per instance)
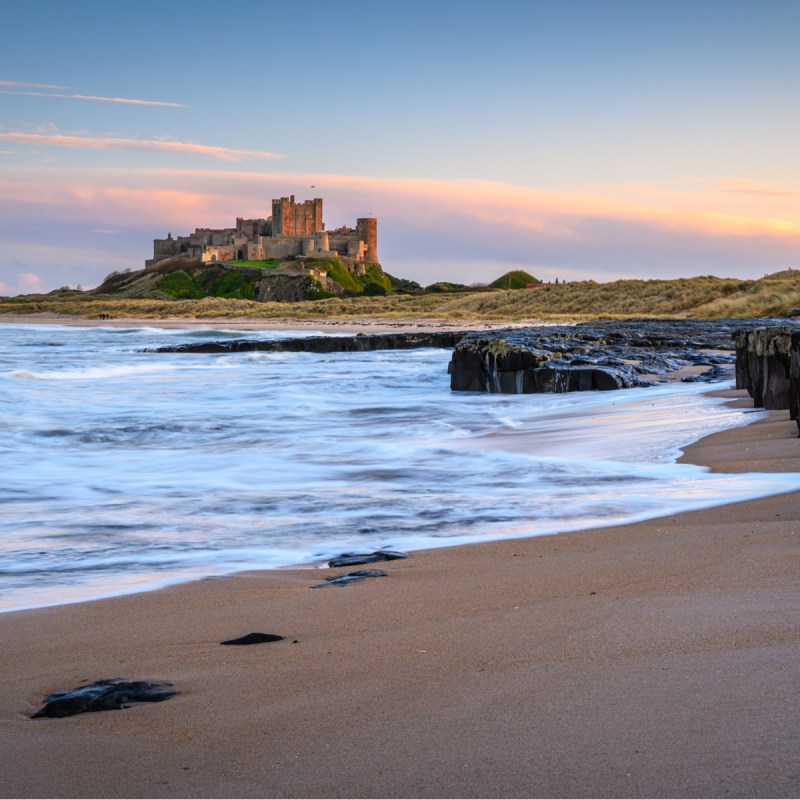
(123, 469)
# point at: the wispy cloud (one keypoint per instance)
(151, 145)
(31, 85)
(431, 229)
(755, 189)
(127, 100)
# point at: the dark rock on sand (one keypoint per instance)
(764, 366)
(323, 344)
(350, 577)
(601, 355)
(353, 559)
(768, 366)
(109, 694)
(255, 638)
(794, 378)
(716, 374)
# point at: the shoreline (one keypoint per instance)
(542, 442)
(655, 658)
(323, 324)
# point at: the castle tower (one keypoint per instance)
(296, 219)
(321, 242)
(367, 228)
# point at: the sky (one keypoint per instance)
(575, 139)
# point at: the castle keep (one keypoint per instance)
(294, 229)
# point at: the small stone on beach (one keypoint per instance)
(350, 577)
(353, 559)
(255, 638)
(108, 694)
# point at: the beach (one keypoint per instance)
(659, 658)
(244, 324)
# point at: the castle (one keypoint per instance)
(294, 229)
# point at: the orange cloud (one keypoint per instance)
(756, 189)
(151, 145)
(205, 197)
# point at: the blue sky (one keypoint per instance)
(574, 139)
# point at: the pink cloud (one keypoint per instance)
(31, 85)
(436, 229)
(209, 197)
(29, 283)
(150, 145)
(126, 100)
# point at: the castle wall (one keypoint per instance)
(284, 246)
(345, 242)
(296, 219)
(252, 228)
(295, 229)
(215, 253)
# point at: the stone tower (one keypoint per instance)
(367, 228)
(296, 219)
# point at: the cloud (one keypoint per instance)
(464, 230)
(31, 85)
(30, 283)
(149, 145)
(96, 98)
(754, 188)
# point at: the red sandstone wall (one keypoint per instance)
(296, 219)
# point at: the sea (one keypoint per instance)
(124, 470)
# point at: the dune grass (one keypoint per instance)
(704, 297)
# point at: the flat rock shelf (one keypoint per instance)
(553, 359)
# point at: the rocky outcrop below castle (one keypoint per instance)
(604, 355)
(324, 344)
(282, 288)
(768, 366)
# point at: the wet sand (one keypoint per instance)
(655, 659)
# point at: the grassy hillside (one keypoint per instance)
(192, 279)
(703, 297)
(516, 279)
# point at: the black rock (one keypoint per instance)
(768, 366)
(353, 559)
(109, 694)
(350, 577)
(599, 355)
(714, 375)
(255, 638)
(323, 344)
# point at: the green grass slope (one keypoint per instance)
(516, 279)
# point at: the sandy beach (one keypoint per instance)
(323, 324)
(654, 659)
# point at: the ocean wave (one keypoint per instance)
(123, 467)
